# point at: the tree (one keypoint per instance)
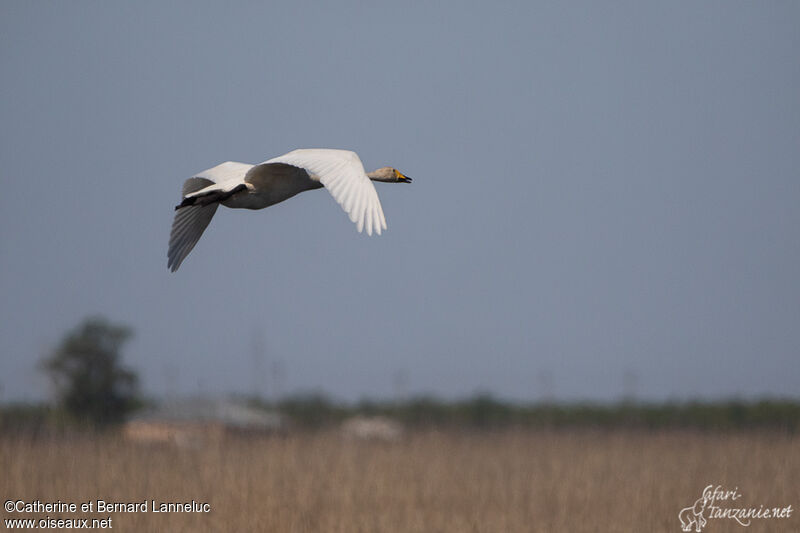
(87, 371)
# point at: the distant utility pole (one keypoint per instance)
(546, 383)
(170, 372)
(400, 383)
(278, 374)
(258, 353)
(630, 385)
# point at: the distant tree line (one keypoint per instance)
(486, 412)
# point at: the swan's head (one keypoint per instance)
(389, 174)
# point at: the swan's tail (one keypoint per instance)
(209, 194)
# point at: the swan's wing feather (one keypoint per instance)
(189, 224)
(342, 173)
(227, 171)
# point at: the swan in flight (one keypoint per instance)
(243, 186)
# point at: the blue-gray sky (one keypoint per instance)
(601, 190)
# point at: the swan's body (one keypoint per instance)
(244, 186)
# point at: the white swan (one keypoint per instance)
(239, 185)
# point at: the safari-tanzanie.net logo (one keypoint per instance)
(718, 503)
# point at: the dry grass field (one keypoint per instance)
(566, 480)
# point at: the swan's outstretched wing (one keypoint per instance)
(342, 173)
(191, 221)
(187, 228)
